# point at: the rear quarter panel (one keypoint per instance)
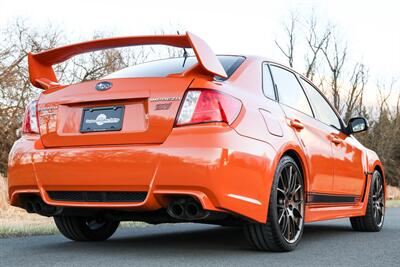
(261, 118)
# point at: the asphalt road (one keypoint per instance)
(323, 244)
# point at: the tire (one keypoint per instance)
(375, 214)
(285, 212)
(85, 228)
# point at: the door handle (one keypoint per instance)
(336, 140)
(296, 124)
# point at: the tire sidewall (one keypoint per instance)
(375, 176)
(76, 229)
(273, 211)
(102, 233)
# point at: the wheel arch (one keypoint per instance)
(300, 159)
(379, 168)
(293, 150)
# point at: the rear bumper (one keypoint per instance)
(223, 170)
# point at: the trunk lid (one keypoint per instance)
(148, 107)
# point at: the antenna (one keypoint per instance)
(185, 53)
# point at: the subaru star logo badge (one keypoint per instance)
(102, 86)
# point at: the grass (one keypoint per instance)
(26, 229)
(17, 223)
(394, 203)
(7, 231)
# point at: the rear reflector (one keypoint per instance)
(200, 106)
(30, 124)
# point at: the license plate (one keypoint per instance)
(102, 119)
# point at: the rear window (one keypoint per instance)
(165, 67)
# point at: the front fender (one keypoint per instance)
(374, 163)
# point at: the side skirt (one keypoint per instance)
(327, 206)
(321, 207)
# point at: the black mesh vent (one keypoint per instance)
(97, 196)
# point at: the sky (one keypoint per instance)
(371, 29)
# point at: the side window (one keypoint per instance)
(322, 109)
(267, 85)
(289, 90)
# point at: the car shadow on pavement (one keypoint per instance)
(189, 239)
(313, 231)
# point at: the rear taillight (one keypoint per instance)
(30, 124)
(200, 106)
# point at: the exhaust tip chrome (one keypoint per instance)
(186, 209)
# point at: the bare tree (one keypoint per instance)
(354, 100)
(315, 41)
(97, 64)
(335, 57)
(384, 94)
(290, 30)
(15, 90)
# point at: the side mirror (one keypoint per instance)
(357, 125)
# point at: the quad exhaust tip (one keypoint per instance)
(186, 209)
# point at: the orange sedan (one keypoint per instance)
(228, 140)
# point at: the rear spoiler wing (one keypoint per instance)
(42, 75)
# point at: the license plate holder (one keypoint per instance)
(102, 119)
